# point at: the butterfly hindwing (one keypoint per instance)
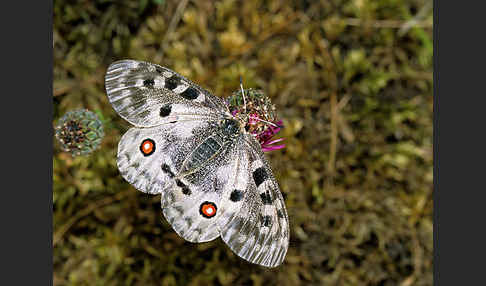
(147, 94)
(187, 200)
(254, 220)
(145, 154)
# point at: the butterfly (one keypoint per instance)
(211, 173)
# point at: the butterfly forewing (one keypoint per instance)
(147, 95)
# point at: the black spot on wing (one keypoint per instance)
(149, 82)
(236, 195)
(266, 198)
(166, 169)
(165, 110)
(172, 82)
(266, 220)
(280, 214)
(259, 176)
(185, 189)
(190, 93)
(158, 70)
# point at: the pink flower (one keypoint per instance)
(253, 119)
(258, 121)
(265, 138)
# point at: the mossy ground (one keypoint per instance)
(352, 81)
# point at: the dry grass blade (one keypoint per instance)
(60, 231)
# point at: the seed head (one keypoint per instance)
(79, 132)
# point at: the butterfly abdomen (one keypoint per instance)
(210, 147)
(206, 150)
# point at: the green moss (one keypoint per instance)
(362, 218)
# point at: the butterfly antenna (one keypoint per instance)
(243, 93)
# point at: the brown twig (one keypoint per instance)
(334, 109)
(394, 24)
(61, 90)
(334, 133)
(415, 21)
(173, 24)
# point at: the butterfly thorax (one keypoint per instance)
(225, 134)
(231, 128)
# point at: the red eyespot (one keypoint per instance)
(208, 209)
(147, 147)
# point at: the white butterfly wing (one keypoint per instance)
(184, 199)
(147, 94)
(169, 145)
(254, 221)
